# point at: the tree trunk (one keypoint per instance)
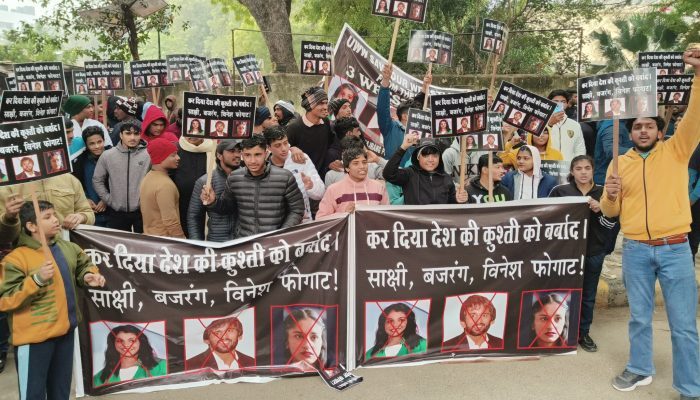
(273, 16)
(130, 24)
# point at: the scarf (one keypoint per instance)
(207, 146)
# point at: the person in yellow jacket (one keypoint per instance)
(649, 193)
(542, 142)
(42, 301)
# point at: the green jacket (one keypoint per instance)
(421, 348)
(160, 369)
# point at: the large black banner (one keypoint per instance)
(40, 76)
(624, 94)
(266, 306)
(455, 282)
(24, 106)
(459, 114)
(666, 62)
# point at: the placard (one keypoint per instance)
(24, 106)
(10, 83)
(523, 109)
(626, 94)
(558, 169)
(79, 82)
(200, 76)
(430, 47)
(493, 35)
(217, 116)
(40, 76)
(104, 75)
(179, 66)
(412, 10)
(248, 70)
(420, 123)
(219, 74)
(316, 58)
(673, 89)
(459, 114)
(149, 73)
(33, 150)
(666, 62)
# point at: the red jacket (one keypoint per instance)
(154, 113)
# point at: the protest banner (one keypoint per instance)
(458, 114)
(666, 62)
(248, 70)
(357, 76)
(104, 75)
(179, 66)
(445, 269)
(430, 47)
(200, 76)
(10, 83)
(24, 106)
(523, 109)
(217, 116)
(558, 169)
(184, 296)
(149, 73)
(493, 36)
(40, 76)
(420, 123)
(33, 150)
(412, 10)
(79, 82)
(219, 73)
(673, 89)
(316, 58)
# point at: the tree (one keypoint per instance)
(30, 43)
(273, 18)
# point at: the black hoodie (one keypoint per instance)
(479, 194)
(420, 186)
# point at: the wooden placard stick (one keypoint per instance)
(427, 92)
(326, 81)
(154, 95)
(490, 177)
(37, 213)
(263, 94)
(463, 161)
(667, 119)
(105, 117)
(616, 143)
(397, 22)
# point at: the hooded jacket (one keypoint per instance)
(287, 114)
(420, 186)
(154, 113)
(118, 176)
(566, 136)
(221, 226)
(540, 183)
(340, 194)
(451, 159)
(37, 314)
(83, 170)
(172, 110)
(510, 155)
(478, 194)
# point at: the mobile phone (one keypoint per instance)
(560, 107)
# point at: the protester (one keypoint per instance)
(375, 163)
(425, 181)
(310, 184)
(221, 227)
(581, 184)
(118, 175)
(528, 181)
(285, 112)
(346, 126)
(171, 107)
(451, 159)
(311, 134)
(564, 132)
(355, 188)
(604, 147)
(478, 187)
(82, 112)
(649, 194)
(694, 190)
(196, 155)
(124, 111)
(154, 126)
(175, 127)
(263, 120)
(44, 340)
(84, 170)
(160, 209)
(265, 197)
(340, 108)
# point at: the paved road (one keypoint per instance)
(583, 376)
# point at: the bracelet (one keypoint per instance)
(38, 281)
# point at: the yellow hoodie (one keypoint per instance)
(654, 201)
(510, 155)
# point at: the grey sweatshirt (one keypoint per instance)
(118, 175)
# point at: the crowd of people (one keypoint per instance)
(139, 174)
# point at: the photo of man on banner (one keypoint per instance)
(221, 344)
(480, 320)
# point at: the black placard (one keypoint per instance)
(493, 36)
(40, 76)
(316, 58)
(558, 169)
(339, 378)
(149, 73)
(11, 83)
(79, 82)
(24, 106)
(430, 47)
(666, 62)
(200, 76)
(217, 116)
(626, 94)
(104, 75)
(673, 89)
(33, 150)
(412, 10)
(458, 114)
(523, 109)
(248, 70)
(420, 123)
(179, 66)
(219, 73)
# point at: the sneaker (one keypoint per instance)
(587, 343)
(628, 381)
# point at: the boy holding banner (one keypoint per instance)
(649, 192)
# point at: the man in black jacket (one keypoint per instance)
(478, 185)
(425, 181)
(265, 197)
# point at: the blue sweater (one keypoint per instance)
(603, 148)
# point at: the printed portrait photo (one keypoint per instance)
(677, 71)
(676, 98)
(660, 97)
(116, 83)
(23, 86)
(589, 109)
(248, 79)
(81, 89)
(474, 321)
(431, 55)
(516, 117)
(214, 81)
(472, 142)
(499, 46)
(490, 141)
(186, 74)
(533, 124)
(258, 77)
(643, 104)
(37, 86)
(226, 78)
(152, 80)
(464, 125)
(91, 83)
(416, 12)
(396, 328)
(4, 173)
(218, 129)
(400, 9)
(222, 344)
(240, 129)
(309, 66)
(500, 107)
(382, 7)
(127, 351)
(55, 161)
(26, 167)
(195, 126)
(445, 57)
(54, 85)
(661, 71)
(102, 83)
(443, 127)
(304, 337)
(415, 55)
(175, 76)
(201, 85)
(488, 44)
(137, 82)
(549, 319)
(164, 79)
(615, 107)
(479, 124)
(324, 68)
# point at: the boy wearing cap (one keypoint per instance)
(285, 112)
(159, 196)
(312, 134)
(263, 120)
(125, 111)
(81, 111)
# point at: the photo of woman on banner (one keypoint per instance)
(227, 78)
(547, 317)
(138, 82)
(474, 322)
(175, 75)
(201, 86)
(499, 45)
(640, 101)
(500, 107)
(305, 337)
(443, 127)
(416, 55)
(195, 127)
(488, 44)
(55, 161)
(348, 92)
(241, 129)
(590, 110)
(23, 86)
(214, 80)
(416, 12)
(472, 142)
(309, 67)
(126, 352)
(81, 89)
(533, 124)
(393, 329)
(382, 7)
(478, 122)
(116, 83)
(3, 172)
(444, 57)
(662, 71)
(248, 78)
(258, 77)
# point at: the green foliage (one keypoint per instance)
(30, 43)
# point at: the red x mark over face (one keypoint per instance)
(549, 323)
(396, 322)
(225, 340)
(127, 345)
(477, 324)
(305, 340)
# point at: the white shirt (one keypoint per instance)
(566, 136)
(393, 350)
(221, 364)
(474, 346)
(127, 374)
(76, 149)
(308, 168)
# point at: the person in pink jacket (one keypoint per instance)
(355, 188)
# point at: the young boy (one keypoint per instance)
(41, 299)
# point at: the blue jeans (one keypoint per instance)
(673, 266)
(4, 333)
(591, 276)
